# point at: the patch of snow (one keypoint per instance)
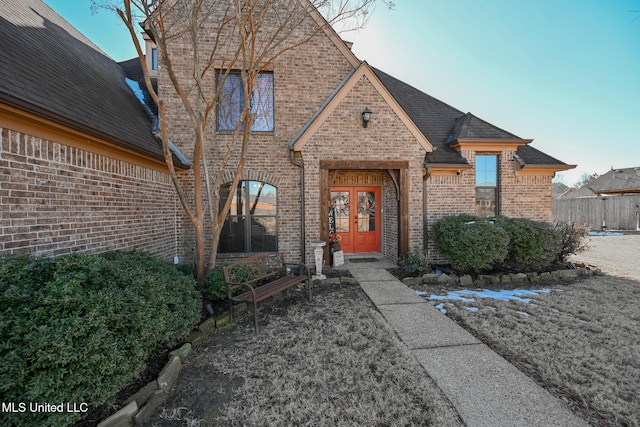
(135, 87)
(605, 233)
(505, 295)
(441, 308)
(422, 293)
(474, 309)
(524, 313)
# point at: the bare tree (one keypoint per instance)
(241, 35)
(584, 179)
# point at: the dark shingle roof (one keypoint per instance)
(626, 180)
(49, 68)
(443, 124)
(434, 118)
(472, 127)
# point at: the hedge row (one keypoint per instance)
(76, 329)
(475, 245)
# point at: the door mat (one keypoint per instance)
(356, 260)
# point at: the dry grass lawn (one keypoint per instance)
(581, 342)
(331, 362)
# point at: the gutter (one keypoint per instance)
(300, 164)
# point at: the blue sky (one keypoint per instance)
(565, 73)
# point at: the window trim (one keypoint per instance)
(270, 120)
(496, 187)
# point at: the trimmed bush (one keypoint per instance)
(472, 244)
(532, 244)
(78, 328)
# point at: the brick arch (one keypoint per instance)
(253, 175)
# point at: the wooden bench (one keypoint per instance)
(263, 276)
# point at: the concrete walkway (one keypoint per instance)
(485, 389)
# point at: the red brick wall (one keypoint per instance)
(56, 199)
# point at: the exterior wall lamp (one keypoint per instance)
(366, 116)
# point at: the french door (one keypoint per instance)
(357, 218)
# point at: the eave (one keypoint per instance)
(542, 170)
(64, 132)
(618, 192)
(485, 145)
(445, 169)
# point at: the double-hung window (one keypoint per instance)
(251, 225)
(487, 186)
(232, 102)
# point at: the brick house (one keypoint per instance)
(383, 183)
(79, 167)
(314, 159)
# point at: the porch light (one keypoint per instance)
(366, 116)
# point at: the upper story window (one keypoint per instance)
(251, 225)
(487, 186)
(232, 102)
(154, 58)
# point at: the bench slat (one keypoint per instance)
(269, 289)
(249, 271)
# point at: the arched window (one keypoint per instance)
(251, 225)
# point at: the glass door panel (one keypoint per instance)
(358, 226)
(367, 211)
(340, 205)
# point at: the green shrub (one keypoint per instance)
(472, 244)
(532, 244)
(78, 328)
(214, 287)
(415, 262)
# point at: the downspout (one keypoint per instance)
(426, 173)
(300, 164)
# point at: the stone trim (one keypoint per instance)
(253, 175)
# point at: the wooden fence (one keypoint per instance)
(608, 213)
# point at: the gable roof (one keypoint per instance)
(445, 126)
(617, 181)
(332, 102)
(50, 69)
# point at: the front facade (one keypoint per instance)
(314, 167)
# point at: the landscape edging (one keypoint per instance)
(566, 275)
(139, 407)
